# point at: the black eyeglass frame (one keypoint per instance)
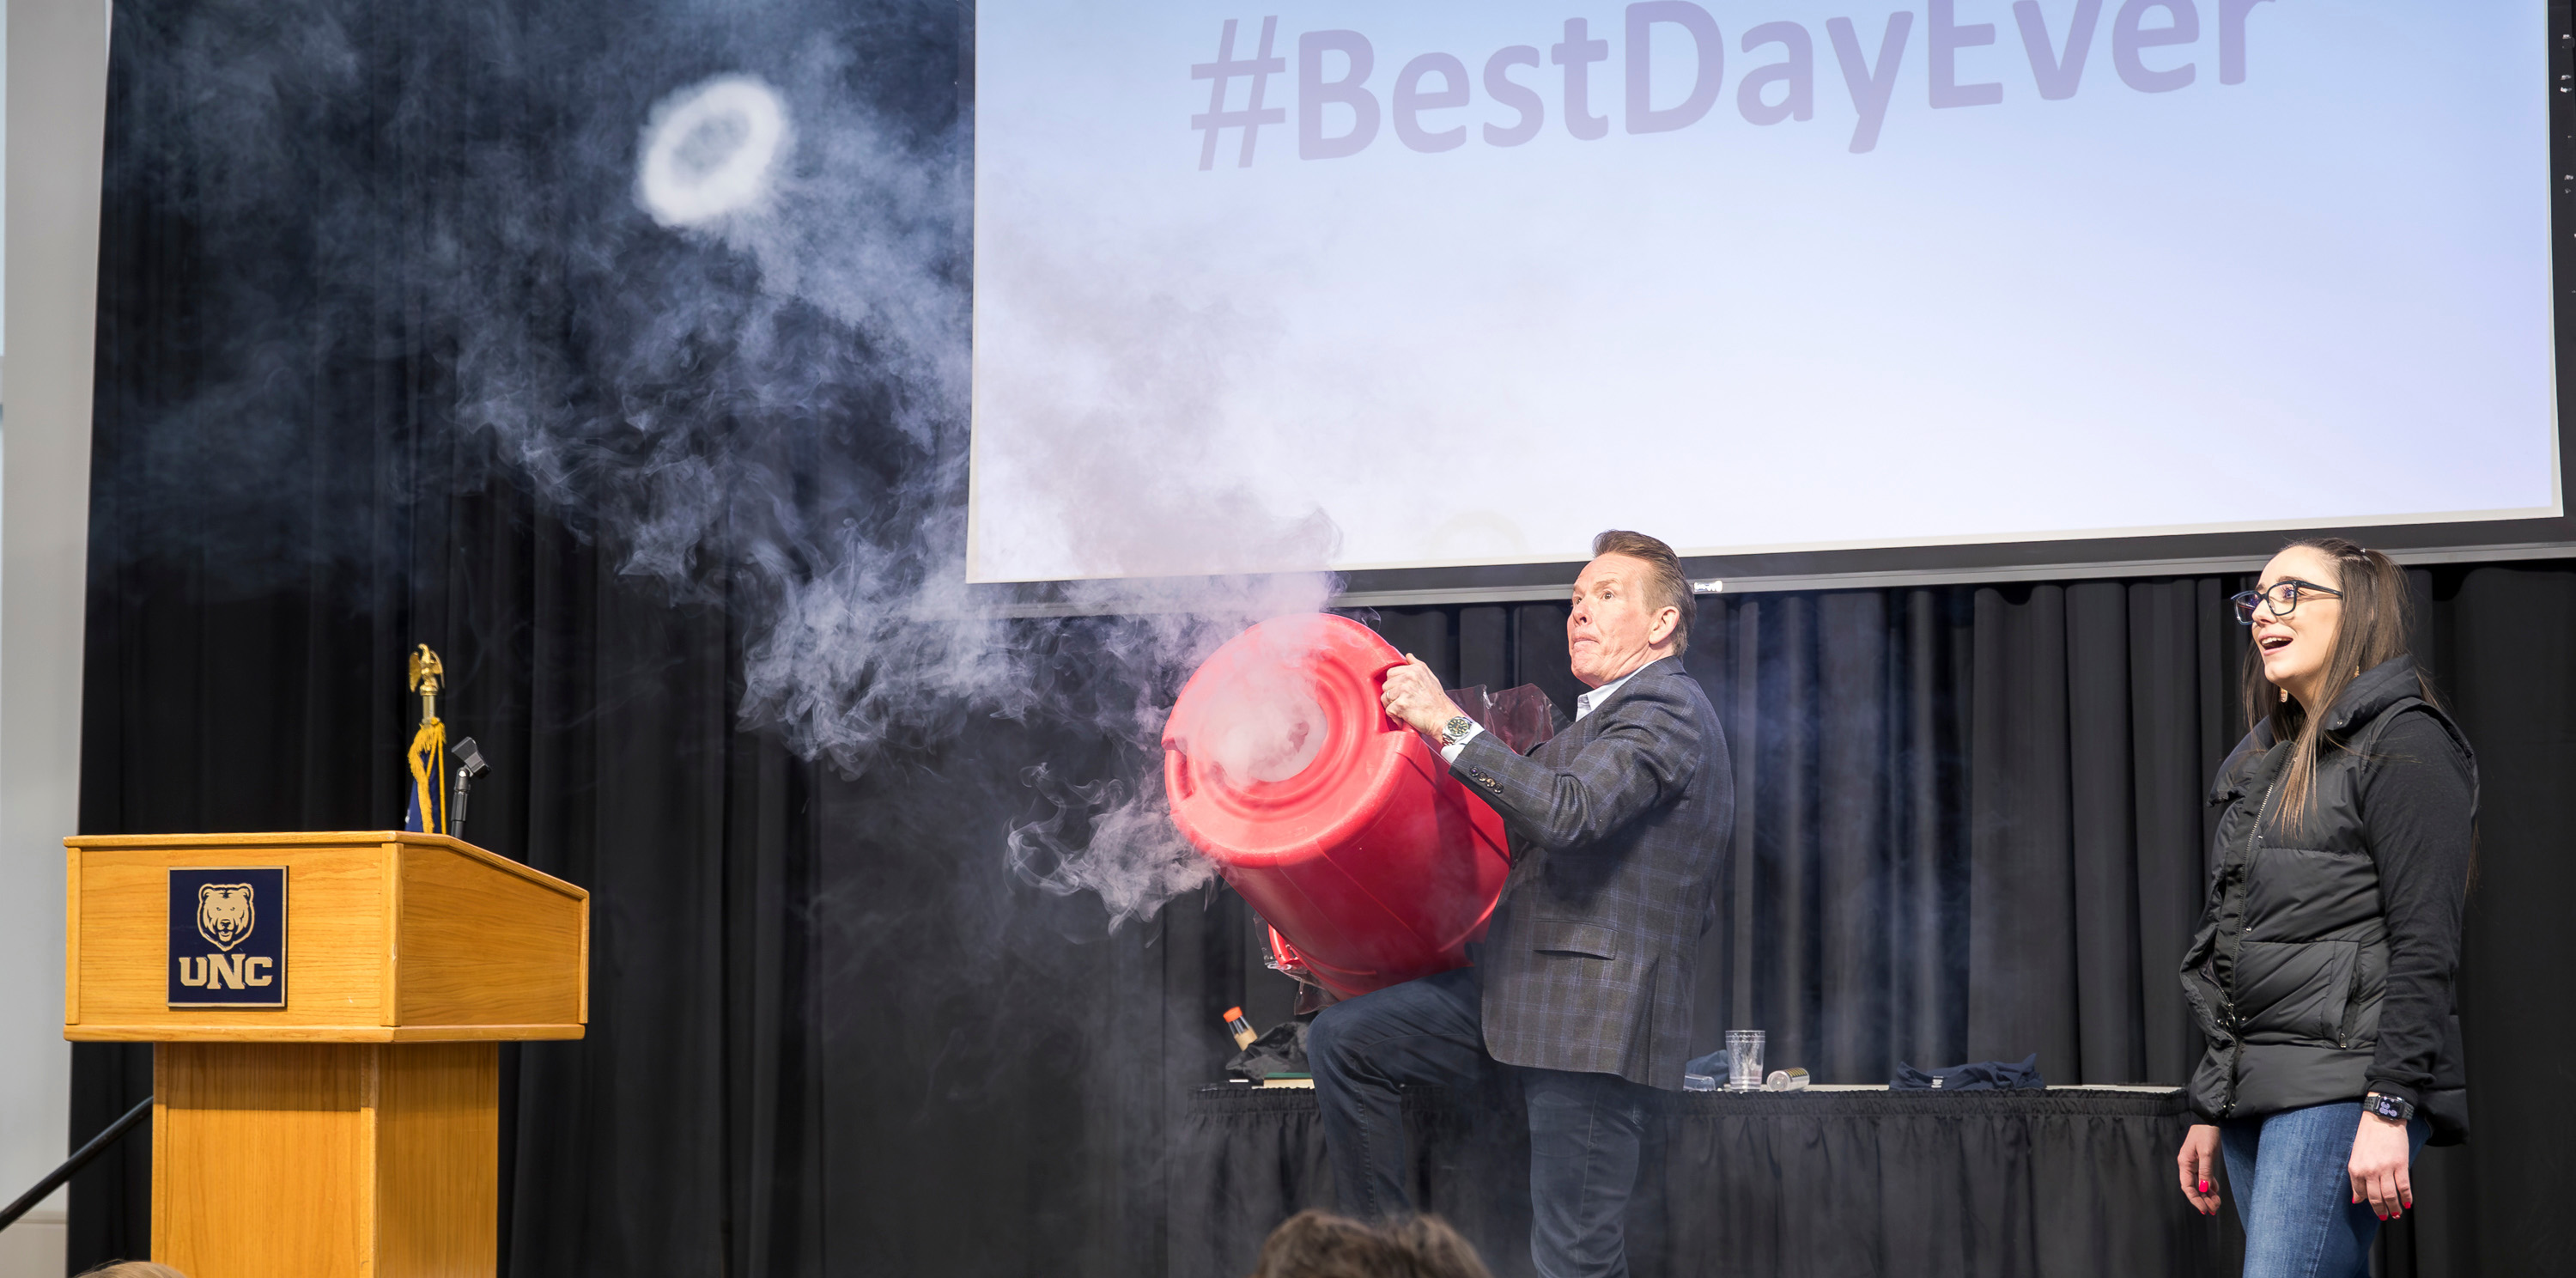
(2248, 600)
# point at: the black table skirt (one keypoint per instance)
(1806, 1185)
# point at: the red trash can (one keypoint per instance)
(1342, 827)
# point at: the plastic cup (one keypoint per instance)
(1744, 1060)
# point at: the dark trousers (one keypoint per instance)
(1586, 1130)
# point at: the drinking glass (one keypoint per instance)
(1744, 1060)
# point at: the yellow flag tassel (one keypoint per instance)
(428, 763)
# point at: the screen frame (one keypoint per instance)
(2067, 558)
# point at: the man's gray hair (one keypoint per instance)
(1665, 585)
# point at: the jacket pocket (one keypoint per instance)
(2294, 991)
(1565, 936)
(2360, 1023)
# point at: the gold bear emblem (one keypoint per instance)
(224, 915)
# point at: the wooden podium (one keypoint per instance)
(354, 1128)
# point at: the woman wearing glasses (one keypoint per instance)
(2321, 974)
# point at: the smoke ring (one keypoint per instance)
(709, 149)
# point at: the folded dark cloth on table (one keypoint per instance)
(1976, 1076)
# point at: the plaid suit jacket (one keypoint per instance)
(1619, 829)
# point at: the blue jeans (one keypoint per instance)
(2294, 1196)
(1586, 1130)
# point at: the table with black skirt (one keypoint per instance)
(1822, 1183)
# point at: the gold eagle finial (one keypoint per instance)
(426, 676)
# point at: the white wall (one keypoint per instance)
(56, 103)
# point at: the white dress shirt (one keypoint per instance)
(1583, 705)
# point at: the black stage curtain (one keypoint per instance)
(1969, 823)
(832, 1033)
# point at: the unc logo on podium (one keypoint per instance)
(228, 936)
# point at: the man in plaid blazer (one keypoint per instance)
(1582, 986)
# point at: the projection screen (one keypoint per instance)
(1412, 286)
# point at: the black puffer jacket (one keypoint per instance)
(2323, 966)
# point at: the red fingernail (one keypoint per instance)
(2204, 1186)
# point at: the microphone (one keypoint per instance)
(469, 765)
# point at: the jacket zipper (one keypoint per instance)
(2236, 1031)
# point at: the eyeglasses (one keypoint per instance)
(2284, 595)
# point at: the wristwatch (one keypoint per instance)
(1456, 730)
(2388, 1107)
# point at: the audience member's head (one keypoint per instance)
(131, 1269)
(1437, 1251)
(1314, 1244)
